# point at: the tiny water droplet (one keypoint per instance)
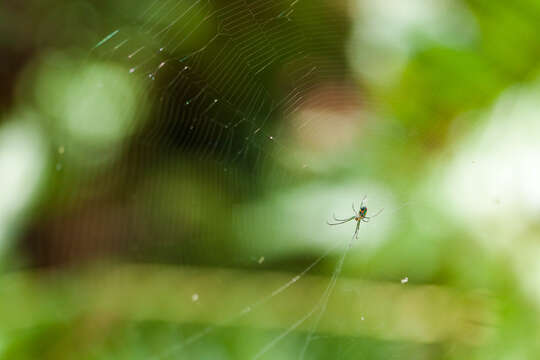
(261, 259)
(194, 297)
(405, 280)
(132, 70)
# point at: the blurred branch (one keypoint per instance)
(388, 311)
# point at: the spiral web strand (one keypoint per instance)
(213, 96)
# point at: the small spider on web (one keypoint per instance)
(318, 310)
(358, 216)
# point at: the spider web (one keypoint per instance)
(211, 68)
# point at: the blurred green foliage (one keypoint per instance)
(151, 225)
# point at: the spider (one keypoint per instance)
(359, 216)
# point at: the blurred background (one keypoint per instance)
(167, 169)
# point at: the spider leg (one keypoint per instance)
(363, 200)
(365, 219)
(343, 222)
(353, 209)
(340, 222)
(336, 219)
(380, 211)
(355, 236)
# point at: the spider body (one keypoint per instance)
(359, 216)
(361, 213)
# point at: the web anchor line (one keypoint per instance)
(248, 309)
(321, 304)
